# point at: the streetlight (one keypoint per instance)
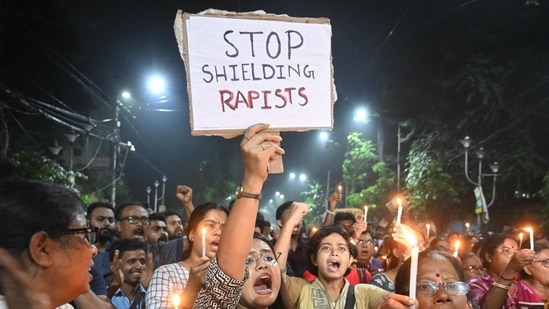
(466, 142)
(164, 179)
(156, 195)
(71, 137)
(148, 196)
(55, 149)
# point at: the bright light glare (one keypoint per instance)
(277, 193)
(282, 196)
(361, 115)
(302, 177)
(323, 135)
(292, 175)
(157, 85)
(126, 95)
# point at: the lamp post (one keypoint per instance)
(149, 196)
(55, 149)
(156, 195)
(164, 179)
(466, 142)
(71, 137)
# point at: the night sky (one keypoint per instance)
(118, 44)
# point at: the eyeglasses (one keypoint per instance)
(427, 289)
(268, 259)
(474, 268)
(90, 233)
(544, 262)
(363, 243)
(135, 220)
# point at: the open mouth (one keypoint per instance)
(263, 284)
(333, 266)
(214, 245)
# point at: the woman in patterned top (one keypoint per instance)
(185, 278)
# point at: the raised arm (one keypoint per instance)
(282, 246)
(258, 148)
(333, 199)
(185, 196)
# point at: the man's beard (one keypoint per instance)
(105, 234)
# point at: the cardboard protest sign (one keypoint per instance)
(245, 68)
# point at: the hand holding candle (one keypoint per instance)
(203, 241)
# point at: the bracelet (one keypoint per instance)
(502, 286)
(330, 212)
(241, 193)
(506, 279)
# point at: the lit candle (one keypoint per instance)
(428, 226)
(520, 240)
(203, 241)
(399, 212)
(176, 300)
(531, 231)
(467, 226)
(366, 214)
(456, 248)
(340, 189)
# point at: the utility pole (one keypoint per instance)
(116, 138)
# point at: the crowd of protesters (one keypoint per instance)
(56, 252)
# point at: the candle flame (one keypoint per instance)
(457, 245)
(203, 231)
(528, 229)
(176, 300)
(521, 236)
(340, 188)
(411, 238)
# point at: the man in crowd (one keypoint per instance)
(129, 258)
(156, 231)
(101, 217)
(297, 256)
(174, 224)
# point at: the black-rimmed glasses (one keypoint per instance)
(544, 262)
(135, 219)
(90, 234)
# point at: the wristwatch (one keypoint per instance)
(241, 193)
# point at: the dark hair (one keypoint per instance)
(282, 208)
(390, 244)
(317, 238)
(94, 206)
(402, 279)
(30, 206)
(157, 216)
(120, 208)
(198, 215)
(168, 213)
(279, 301)
(490, 244)
(127, 244)
(341, 216)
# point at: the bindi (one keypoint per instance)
(437, 275)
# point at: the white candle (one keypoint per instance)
(467, 226)
(520, 240)
(340, 189)
(456, 248)
(428, 226)
(413, 271)
(399, 212)
(203, 241)
(531, 231)
(366, 215)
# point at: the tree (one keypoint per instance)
(368, 180)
